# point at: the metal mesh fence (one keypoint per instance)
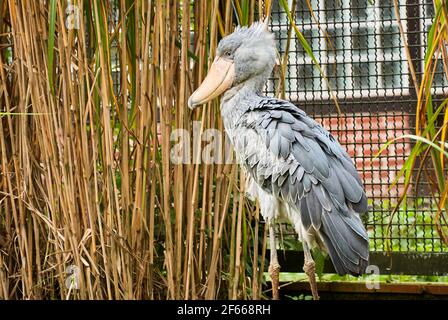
(359, 47)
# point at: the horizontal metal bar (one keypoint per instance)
(406, 263)
(358, 288)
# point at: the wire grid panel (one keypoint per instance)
(359, 48)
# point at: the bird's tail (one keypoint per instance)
(347, 242)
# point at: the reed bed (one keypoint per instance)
(91, 205)
(428, 158)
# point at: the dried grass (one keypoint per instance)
(86, 183)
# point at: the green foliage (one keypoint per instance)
(319, 259)
(411, 228)
(428, 152)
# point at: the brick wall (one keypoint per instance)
(363, 134)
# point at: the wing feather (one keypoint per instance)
(305, 166)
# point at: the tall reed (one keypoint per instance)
(429, 154)
(91, 206)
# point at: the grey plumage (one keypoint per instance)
(309, 170)
(300, 170)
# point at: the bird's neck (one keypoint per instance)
(234, 103)
(256, 83)
(236, 96)
(237, 100)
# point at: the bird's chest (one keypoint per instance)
(250, 150)
(236, 124)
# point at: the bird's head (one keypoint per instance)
(246, 56)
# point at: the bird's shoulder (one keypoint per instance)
(297, 153)
(280, 118)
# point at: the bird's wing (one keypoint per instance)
(293, 157)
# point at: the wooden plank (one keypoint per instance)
(361, 288)
(407, 263)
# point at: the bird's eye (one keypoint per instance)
(228, 54)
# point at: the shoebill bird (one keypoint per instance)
(295, 168)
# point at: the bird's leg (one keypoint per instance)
(274, 267)
(310, 270)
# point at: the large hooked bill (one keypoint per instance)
(219, 78)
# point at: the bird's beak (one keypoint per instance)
(219, 78)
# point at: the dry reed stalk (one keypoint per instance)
(91, 206)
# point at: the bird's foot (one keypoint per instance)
(274, 272)
(310, 269)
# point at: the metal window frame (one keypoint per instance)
(346, 25)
